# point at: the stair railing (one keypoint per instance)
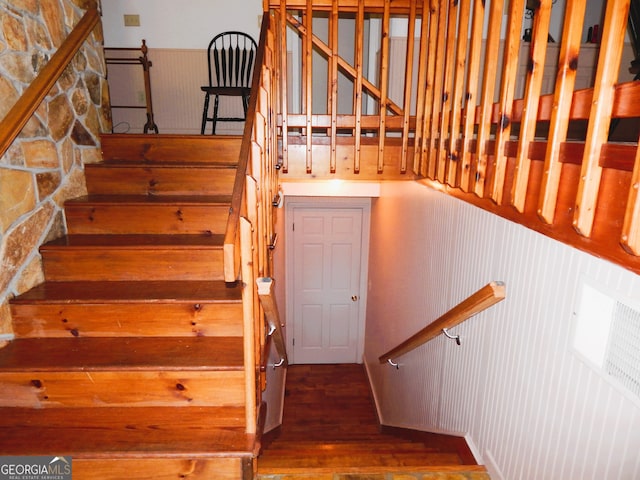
(431, 109)
(249, 237)
(27, 104)
(487, 296)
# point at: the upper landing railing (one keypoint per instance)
(467, 113)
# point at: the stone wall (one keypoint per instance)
(44, 165)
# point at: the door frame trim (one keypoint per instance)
(335, 203)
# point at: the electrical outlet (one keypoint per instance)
(141, 97)
(131, 20)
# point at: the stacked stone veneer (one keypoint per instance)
(44, 165)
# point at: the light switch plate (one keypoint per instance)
(131, 20)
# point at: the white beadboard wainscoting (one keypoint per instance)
(176, 77)
(532, 407)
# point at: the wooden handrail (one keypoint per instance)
(488, 295)
(21, 112)
(266, 295)
(231, 262)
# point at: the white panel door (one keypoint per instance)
(326, 284)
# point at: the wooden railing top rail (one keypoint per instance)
(377, 6)
(487, 296)
(231, 266)
(33, 95)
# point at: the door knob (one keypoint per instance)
(354, 298)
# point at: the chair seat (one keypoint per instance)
(231, 91)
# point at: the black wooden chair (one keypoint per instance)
(231, 57)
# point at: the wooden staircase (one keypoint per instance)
(129, 357)
(330, 432)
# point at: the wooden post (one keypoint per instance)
(486, 104)
(429, 99)
(248, 322)
(447, 90)
(473, 72)
(283, 87)
(308, 81)
(422, 88)
(542, 18)
(384, 84)
(438, 89)
(615, 27)
(333, 79)
(408, 77)
(507, 94)
(563, 96)
(357, 107)
(454, 159)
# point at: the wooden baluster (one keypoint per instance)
(422, 87)
(308, 80)
(631, 228)
(283, 87)
(542, 18)
(427, 139)
(563, 96)
(357, 107)
(333, 82)
(438, 89)
(486, 103)
(458, 88)
(447, 90)
(473, 72)
(507, 94)
(408, 77)
(615, 27)
(384, 85)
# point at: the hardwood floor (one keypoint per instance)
(330, 431)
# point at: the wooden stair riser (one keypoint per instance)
(127, 264)
(157, 149)
(127, 320)
(218, 468)
(146, 219)
(103, 179)
(118, 388)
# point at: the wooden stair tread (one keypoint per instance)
(133, 291)
(122, 354)
(360, 471)
(149, 200)
(121, 432)
(347, 459)
(134, 241)
(163, 165)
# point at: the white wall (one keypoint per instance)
(531, 406)
(177, 24)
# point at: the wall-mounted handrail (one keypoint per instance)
(487, 296)
(33, 95)
(268, 301)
